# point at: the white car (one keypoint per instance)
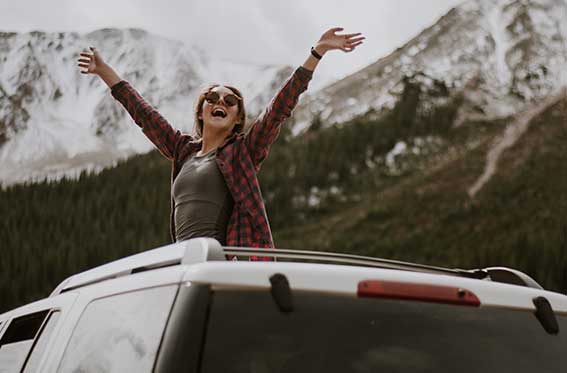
(186, 308)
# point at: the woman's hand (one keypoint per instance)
(346, 42)
(92, 63)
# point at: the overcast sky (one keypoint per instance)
(264, 31)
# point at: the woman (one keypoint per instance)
(215, 190)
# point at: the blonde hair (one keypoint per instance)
(241, 122)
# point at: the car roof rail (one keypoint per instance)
(199, 250)
(497, 274)
(511, 276)
(192, 251)
(349, 259)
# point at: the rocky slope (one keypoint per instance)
(55, 121)
(501, 55)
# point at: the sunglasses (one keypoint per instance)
(229, 99)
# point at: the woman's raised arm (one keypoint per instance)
(266, 127)
(155, 127)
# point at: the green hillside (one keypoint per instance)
(518, 220)
(331, 189)
(52, 230)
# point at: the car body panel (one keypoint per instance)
(201, 262)
(344, 279)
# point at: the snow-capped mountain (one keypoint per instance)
(55, 121)
(499, 54)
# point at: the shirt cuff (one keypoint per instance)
(118, 86)
(304, 73)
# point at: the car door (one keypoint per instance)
(29, 332)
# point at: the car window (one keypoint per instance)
(41, 342)
(13, 355)
(248, 333)
(18, 340)
(120, 333)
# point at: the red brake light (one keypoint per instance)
(420, 292)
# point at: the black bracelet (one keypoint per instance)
(315, 54)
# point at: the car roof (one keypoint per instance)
(346, 279)
(201, 250)
(206, 262)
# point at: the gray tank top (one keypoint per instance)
(203, 203)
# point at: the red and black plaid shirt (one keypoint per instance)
(239, 158)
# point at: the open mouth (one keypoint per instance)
(219, 113)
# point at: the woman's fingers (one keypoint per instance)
(350, 41)
(354, 45)
(352, 35)
(351, 47)
(87, 60)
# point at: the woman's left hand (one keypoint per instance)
(346, 42)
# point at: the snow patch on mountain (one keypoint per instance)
(511, 135)
(55, 121)
(514, 51)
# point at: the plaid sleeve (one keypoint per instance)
(156, 128)
(266, 127)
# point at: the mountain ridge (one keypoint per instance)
(500, 54)
(52, 117)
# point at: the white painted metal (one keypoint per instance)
(203, 261)
(199, 253)
(341, 279)
(185, 252)
(85, 295)
(63, 303)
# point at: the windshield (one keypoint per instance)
(324, 333)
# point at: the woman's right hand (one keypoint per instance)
(92, 63)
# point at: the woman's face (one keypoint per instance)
(219, 115)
